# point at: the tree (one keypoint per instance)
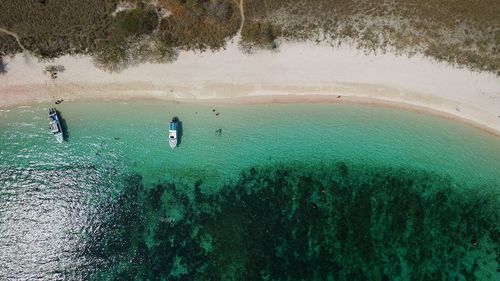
(53, 70)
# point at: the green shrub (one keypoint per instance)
(260, 35)
(199, 24)
(112, 53)
(134, 23)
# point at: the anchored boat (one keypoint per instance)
(172, 132)
(55, 125)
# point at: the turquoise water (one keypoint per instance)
(286, 192)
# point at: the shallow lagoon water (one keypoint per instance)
(334, 192)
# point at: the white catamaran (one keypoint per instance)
(55, 125)
(172, 132)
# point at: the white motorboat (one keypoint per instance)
(172, 132)
(55, 125)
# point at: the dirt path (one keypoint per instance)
(242, 13)
(14, 35)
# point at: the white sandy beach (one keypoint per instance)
(298, 72)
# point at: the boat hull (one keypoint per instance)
(172, 132)
(172, 143)
(55, 125)
(59, 137)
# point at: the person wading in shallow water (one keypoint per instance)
(218, 132)
(474, 242)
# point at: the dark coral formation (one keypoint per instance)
(335, 222)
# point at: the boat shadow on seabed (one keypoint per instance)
(64, 125)
(179, 132)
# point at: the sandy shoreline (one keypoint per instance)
(281, 99)
(299, 72)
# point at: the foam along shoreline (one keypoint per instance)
(299, 72)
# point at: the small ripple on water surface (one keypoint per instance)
(44, 212)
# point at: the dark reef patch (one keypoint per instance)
(337, 222)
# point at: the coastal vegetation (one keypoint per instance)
(460, 32)
(199, 24)
(123, 45)
(50, 28)
(260, 35)
(122, 33)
